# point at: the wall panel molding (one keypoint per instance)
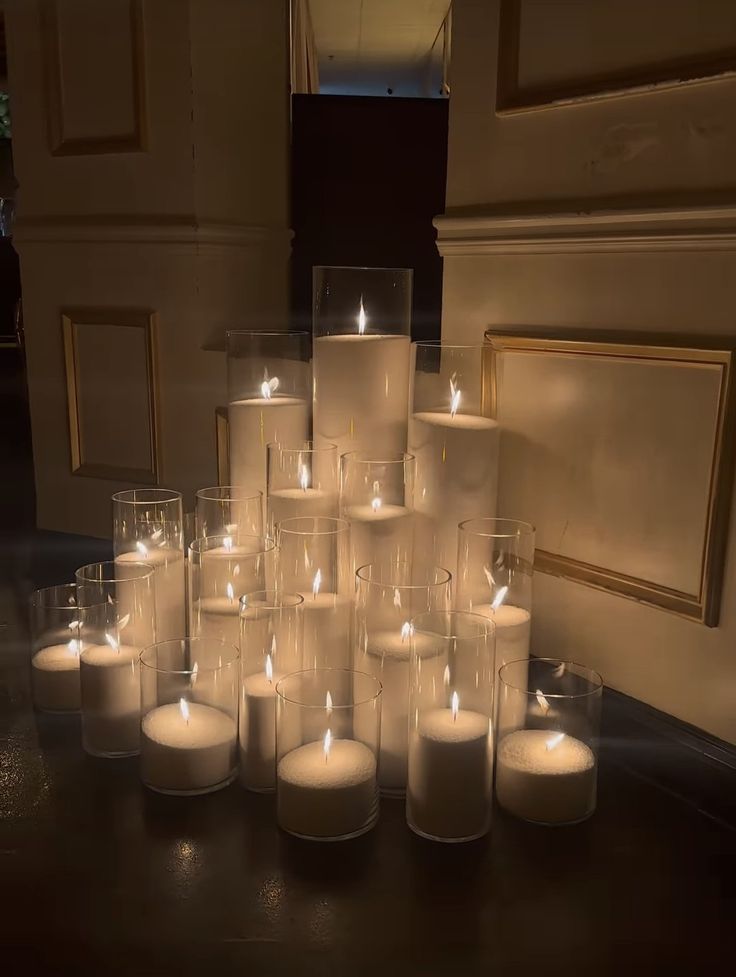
(691, 229)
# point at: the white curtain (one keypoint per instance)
(304, 68)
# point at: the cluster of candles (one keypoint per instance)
(365, 631)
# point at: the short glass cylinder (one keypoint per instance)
(227, 509)
(189, 707)
(271, 628)
(55, 648)
(549, 715)
(377, 499)
(302, 481)
(269, 384)
(495, 568)
(455, 443)
(148, 526)
(119, 604)
(449, 792)
(314, 560)
(362, 324)
(327, 733)
(222, 569)
(387, 598)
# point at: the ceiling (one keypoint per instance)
(369, 46)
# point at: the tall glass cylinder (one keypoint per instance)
(314, 561)
(271, 628)
(327, 730)
(455, 443)
(549, 714)
(362, 324)
(387, 599)
(377, 499)
(227, 509)
(302, 481)
(269, 386)
(189, 705)
(118, 600)
(451, 726)
(148, 527)
(221, 570)
(55, 648)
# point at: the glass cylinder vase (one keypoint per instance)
(269, 386)
(227, 510)
(55, 648)
(377, 499)
(302, 481)
(271, 628)
(449, 790)
(362, 324)
(148, 527)
(189, 707)
(387, 599)
(455, 443)
(549, 714)
(327, 733)
(314, 561)
(221, 570)
(118, 601)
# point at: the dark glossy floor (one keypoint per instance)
(98, 876)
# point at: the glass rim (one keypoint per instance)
(267, 332)
(275, 600)
(340, 526)
(313, 448)
(591, 675)
(231, 489)
(37, 594)
(321, 670)
(400, 458)
(441, 344)
(197, 545)
(137, 564)
(128, 496)
(358, 268)
(235, 657)
(403, 586)
(525, 528)
(488, 626)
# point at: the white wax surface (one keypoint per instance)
(361, 392)
(456, 479)
(181, 756)
(111, 699)
(258, 732)
(383, 536)
(327, 625)
(542, 778)
(327, 797)
(169, 589)
(55, 675)
(297, 503)
(450, 766)
(253, 423)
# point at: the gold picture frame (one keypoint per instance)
(125, 319)
(703, 604)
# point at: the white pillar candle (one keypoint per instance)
(449, 786)
(111, 699)
(255, 422)
(217, 617)
(456, 479)
(361, 392)
(187, 747)
(380, 534)
(168, 587)
(292, 503)
(545, 776)
(513, 630)
(327, 626)
(258, 730)
(55, 677)
(327, 793)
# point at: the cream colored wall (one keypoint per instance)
(651, 248)
(192, 224)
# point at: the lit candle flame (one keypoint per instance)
(328, 704)
(454, 706)
(554, 741)
(542, 700)
(142, 548)
(112, 641)
(184, 709)
(376, 504)
(73, 647)
(303, 477)
(499, 598)
(230, 591)
(405, 631)
(269, 387)
(455, 396)
(227, 543)
(362, 319)
(269, 670)
(327, 744)
(317, 583)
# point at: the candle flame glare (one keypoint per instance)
(455, 396)
(73, 647)
(489, 576)
(405, 630)
(397, 598)
(228, 543)
(361, 318)
(142, 548)
(195, 673)
(542, 700)
(554, 741)
(455, 705)
(184, 709)
(327, 744)
(317, 583)
(328, 704)
(560, 670)
(230, 592)
(499, 598)
(303, 477)
(446, 676)
(269, 669)
(112, 641)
